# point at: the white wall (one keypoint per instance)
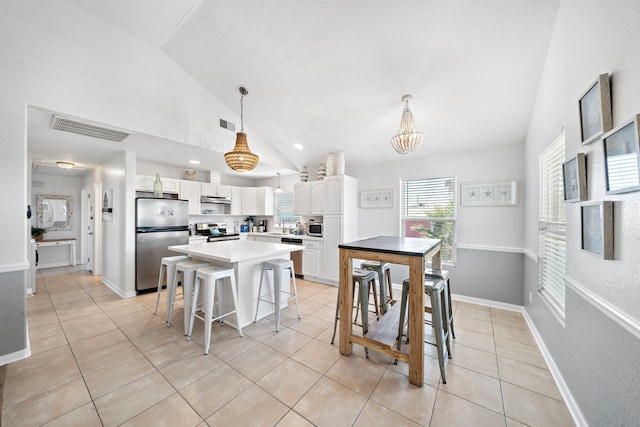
(495, 227)
(596, 348)
(118, 235)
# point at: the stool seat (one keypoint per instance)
(436, 289)
(188, 270)
(281, 285)
(167, 270)
(211, 278)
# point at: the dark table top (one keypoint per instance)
(411, 246)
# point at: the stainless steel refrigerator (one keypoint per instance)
(159, 223)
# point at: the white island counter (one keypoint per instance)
(245, 257)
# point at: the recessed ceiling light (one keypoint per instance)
(65, 165)
(298, 146)
(194, 162)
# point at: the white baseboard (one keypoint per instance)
(117, 290)
(53, 264)
(17, 355)
(488, 303)
(574, 410)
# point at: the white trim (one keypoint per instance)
(490, 248)
(573, 407)
(17, 355)
(53, 264)
(531, 255)
(630, 324)
(14, 267)
(117, 290)
(488, 303)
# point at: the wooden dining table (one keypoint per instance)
(411, 251)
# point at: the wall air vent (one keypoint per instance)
(227, 125)
(88, 129)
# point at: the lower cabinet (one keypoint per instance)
(311, 259)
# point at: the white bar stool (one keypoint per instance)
(279, 281)
(168, 270)
(188, 270)
(210, 277)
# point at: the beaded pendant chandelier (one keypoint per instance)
(241, 159)
(407, 140)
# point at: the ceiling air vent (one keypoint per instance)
(227, 125)
(88, 129)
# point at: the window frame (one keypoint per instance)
(453, 219)
(276, 210)
(552, 227)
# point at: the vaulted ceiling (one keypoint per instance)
(330, 74)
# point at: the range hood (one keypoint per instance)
(214, 199)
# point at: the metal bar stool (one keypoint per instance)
(277, 266)
(439, 314)
(384, 275)
(364, 279)
(188, 271)
(211, 278)
(444, 276)
(168, 271)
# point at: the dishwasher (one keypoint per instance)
(296, 256)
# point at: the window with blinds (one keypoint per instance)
(284, 208)
(429, 211)
(552, 225)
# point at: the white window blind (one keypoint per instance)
(428, 211)
(552, 225)
(284, 207)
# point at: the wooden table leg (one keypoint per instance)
(346, 301)
(416, 320)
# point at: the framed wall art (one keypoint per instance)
(621, 158)
(502, 193)
(597, 229)
(574, 178)
(376, 199)
(595, 110)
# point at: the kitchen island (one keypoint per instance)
(245, 257)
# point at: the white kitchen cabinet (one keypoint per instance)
(216, 190)
(249, 201)
(169, 185)
(190, 190)
(236, 200)
(332, 237)
(308, 198)
(257, 201)
(340, 192)
(311, 258)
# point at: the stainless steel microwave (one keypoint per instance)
(315, 229)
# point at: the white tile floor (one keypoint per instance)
(102, 360)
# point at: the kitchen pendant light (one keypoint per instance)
(407, 140)
(278, 190)
(241, 159)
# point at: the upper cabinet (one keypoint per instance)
(190, 190)
(340, 193)
(236, 200)
(169, 185)
(216, 190)
(257, 201)
(309, 198)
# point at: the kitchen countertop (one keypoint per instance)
(280, 234)
(232, 251)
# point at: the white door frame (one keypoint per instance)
(97, 229)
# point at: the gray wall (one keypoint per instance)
(12, 313)
(597, 358)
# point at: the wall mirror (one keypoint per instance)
(621, 158)
(54, 212)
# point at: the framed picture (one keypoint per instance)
(595, 110)
(376, 199)
(489, 194)
(621, 161)
(574, 178)
(597, 229)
